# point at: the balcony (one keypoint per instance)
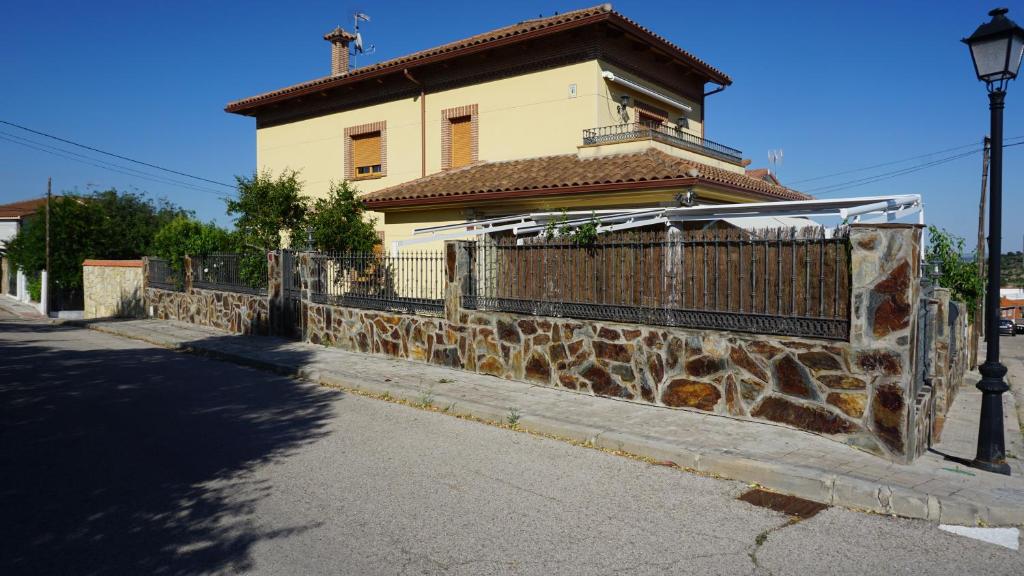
(661, 133)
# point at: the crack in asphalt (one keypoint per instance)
(763, 537)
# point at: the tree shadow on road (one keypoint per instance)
(129, 459)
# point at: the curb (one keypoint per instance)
(804, 482)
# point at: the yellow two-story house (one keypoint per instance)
(583, 110)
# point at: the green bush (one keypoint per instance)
(34, 285)
(106, 225)
(959, 271)
(185, 236)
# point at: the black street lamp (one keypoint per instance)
(996, 48)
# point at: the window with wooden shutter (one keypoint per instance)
(648, 119)
(462, 141)
(366, 154)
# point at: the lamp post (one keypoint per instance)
(996, 48)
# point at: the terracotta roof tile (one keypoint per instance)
(22, 208)
(569, 173)
(603, 10)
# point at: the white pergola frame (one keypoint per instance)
(867, 209)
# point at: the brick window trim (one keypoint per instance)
(350, 132)
(447, 116)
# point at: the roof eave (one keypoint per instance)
(239, 107)
(570, 190)
(247, 105)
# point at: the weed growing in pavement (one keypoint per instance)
(449, 408)
(426, 399)
(445, 381)
(513, 417)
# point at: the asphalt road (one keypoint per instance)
(120, 458)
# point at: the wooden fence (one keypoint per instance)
(783, 281)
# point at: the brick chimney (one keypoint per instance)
(339, 40)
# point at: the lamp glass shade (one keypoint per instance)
(990, 58)
(996, 48)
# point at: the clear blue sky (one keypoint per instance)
(837, 85)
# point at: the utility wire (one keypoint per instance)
(104, 165)
(893, 174)
(58, 138)
(49, 148)
(890, 163)
(831, 189)
(68, 155)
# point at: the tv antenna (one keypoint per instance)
(775, 158)
(357, 45)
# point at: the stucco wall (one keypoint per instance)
(522, 116)
(112, 288)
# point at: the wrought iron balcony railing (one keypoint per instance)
(661, 133)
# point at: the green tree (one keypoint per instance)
(107, 224)
(187, 236)
(338, 222)
(267, 207)
(959, 271)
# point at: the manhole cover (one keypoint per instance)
(789, 505)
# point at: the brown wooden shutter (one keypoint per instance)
(462, 141)
(648, 119)
(365, 152)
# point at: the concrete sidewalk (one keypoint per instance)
(10, 305)
(776, 457)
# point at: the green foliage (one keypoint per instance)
(34, 285)
(557, 227)
(108, 224)
(338, 222)
(266, 207)
(252, 267)
(1011, 269)
(959, 273)
(188, 236)
(586, 234)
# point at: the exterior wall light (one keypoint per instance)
(623, 108)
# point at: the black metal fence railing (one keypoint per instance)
(160, 274)
(411, 282)
(784, 281)
(230, 272)
(662, 133)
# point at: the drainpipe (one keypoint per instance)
(702, 105)
(423, 122)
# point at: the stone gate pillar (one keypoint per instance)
(275, 292)
(885, 296)
(458, 263)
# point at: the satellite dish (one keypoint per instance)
(359, 43)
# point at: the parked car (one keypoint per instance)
(1006, 327)
(1018, 326)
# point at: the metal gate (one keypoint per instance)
(291, 291)
(922, 344)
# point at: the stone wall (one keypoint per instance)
(857, 392)
(112, 288)
(860, 391)
(236, 312)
